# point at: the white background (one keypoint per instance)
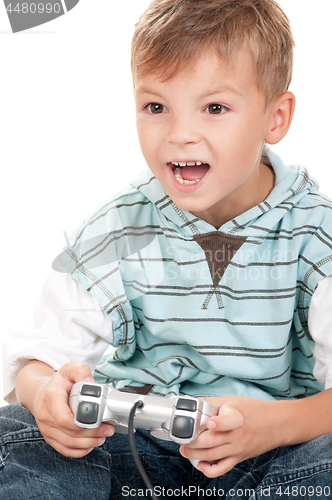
(67, 128)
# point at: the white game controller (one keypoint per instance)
(179, 419)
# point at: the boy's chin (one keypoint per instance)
(192, 207)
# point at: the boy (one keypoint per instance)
(201, 275)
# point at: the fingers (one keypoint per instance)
(214, 461)
(77, 443)
(66, 437)
(72, 446)
(60, 431)
(76, 372)
(219, 429)
(55, 418)
(217, 469)
(215, 447)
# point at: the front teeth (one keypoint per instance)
(190, 164)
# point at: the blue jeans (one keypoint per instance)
(31, 469)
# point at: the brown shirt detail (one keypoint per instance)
(219, 250)
(140, 390)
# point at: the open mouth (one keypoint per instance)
(189, 172)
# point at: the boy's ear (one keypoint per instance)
(282, 111)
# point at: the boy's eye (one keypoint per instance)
(155, 108)
(216, 109)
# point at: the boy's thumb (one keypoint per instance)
(228, 419)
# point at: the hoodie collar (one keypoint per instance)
(291, 184)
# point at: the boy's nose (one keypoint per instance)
(183, 131)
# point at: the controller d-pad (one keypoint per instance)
(91, 390)
(87, 413)
(183, 427)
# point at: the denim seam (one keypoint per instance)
(277, 480)
(3, 457)
(20, 436)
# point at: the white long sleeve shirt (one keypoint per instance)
(68, 325)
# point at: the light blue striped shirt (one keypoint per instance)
(202, 311)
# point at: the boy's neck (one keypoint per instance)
(232, 207)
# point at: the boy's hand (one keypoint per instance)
(244, 428)
(55, 418)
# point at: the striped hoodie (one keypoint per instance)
(201, 311)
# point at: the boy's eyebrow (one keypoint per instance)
(145, 90)
(142, 89)
(222, 90)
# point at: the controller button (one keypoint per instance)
(186, 404)
(183, 427)
(87, 413)
(91, 390)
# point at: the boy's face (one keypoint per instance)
(212, 121)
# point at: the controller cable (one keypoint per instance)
(132, 444)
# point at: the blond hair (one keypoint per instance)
(171, 35)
